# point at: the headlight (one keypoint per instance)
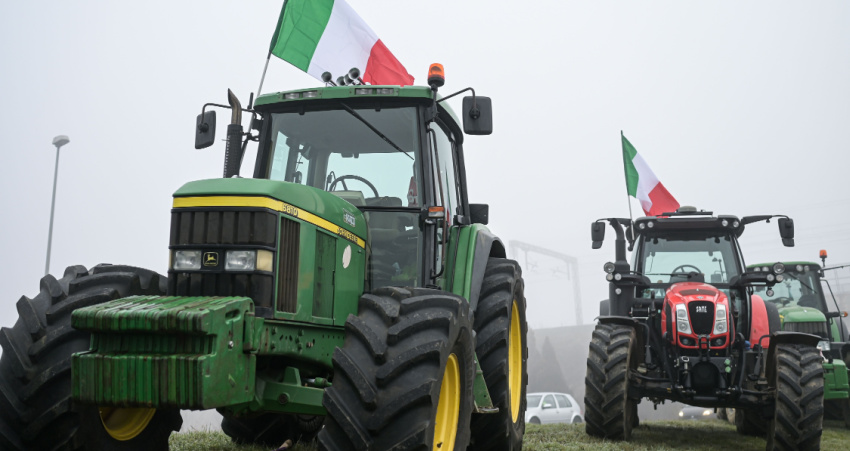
(240, 261)
(720, 326)
(823, 345)
(706, 412)
(608, 267)
(681, 414)
(187, 260)
(778, 268)
(682, 324)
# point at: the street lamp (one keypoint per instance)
(58, 141)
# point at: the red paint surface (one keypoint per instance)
(384, 69)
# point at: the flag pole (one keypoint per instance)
(263, 77)
(626, 178)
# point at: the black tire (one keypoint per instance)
(534, 420)
(730, 414)
(798, 421)
(773, 320)
(750, 422)
(833, 409)
(387, 376)
(501, 308)
(609, 412)
(35, 367)
(845, 409)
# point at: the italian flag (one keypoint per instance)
(320, 36)
(643, 185)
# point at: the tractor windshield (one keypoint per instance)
(670, 259)
(367, 156)
(800, 288)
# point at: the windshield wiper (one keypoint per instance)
(372, 127)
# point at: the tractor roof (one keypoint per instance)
(351, 92)
(789, 266)
(686, 222)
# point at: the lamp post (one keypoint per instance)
(58, 141)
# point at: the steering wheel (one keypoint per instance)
(684, 268)
(343, 178)
(784, 300)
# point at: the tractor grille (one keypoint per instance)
(214, 231)
(814, 328)
(702, 316)
(287, 266)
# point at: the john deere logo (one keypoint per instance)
(210, 258)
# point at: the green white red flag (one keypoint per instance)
(319, 36)
(643, 185)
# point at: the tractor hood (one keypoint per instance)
(290, 198)
(798, 314)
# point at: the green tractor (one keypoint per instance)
(803, 308)
(347, 293)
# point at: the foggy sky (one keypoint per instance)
(738, 107)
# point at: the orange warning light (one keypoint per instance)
(823, 253)
(436, 75)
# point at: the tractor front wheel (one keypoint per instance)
(798, 421)
(609, 412)
(36, 411)
(403, 378)
(500, 345)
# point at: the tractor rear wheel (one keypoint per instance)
(403, 378)
(798, 421)
(749, 422)
(500, 337)
(36, 410)
(609, 412)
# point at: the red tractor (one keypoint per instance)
(682, 324)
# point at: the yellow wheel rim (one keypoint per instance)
(448, 408)
(515, 363)
(125, 423)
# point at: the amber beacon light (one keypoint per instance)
(436, 76)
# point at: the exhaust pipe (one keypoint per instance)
(233, 149)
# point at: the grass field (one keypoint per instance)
(707, 435)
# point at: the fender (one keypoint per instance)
(783, 337)
(472, 247)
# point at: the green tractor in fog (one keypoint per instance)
(348, 292)
(803, 308)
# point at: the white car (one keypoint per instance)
(545, 408)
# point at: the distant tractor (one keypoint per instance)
(685, 325)
(349, 292)
(802, 305)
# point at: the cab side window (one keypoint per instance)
(445, 168)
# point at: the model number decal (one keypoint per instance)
(702, 309)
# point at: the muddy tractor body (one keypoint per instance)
(801, 299)
(348, 291)
(683, 323)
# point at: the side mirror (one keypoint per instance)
(597, 234)
(477, 115)
(205, 130)
(547, 405)
(479, 213)
(786, 231)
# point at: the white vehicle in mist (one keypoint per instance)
(546, 408)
